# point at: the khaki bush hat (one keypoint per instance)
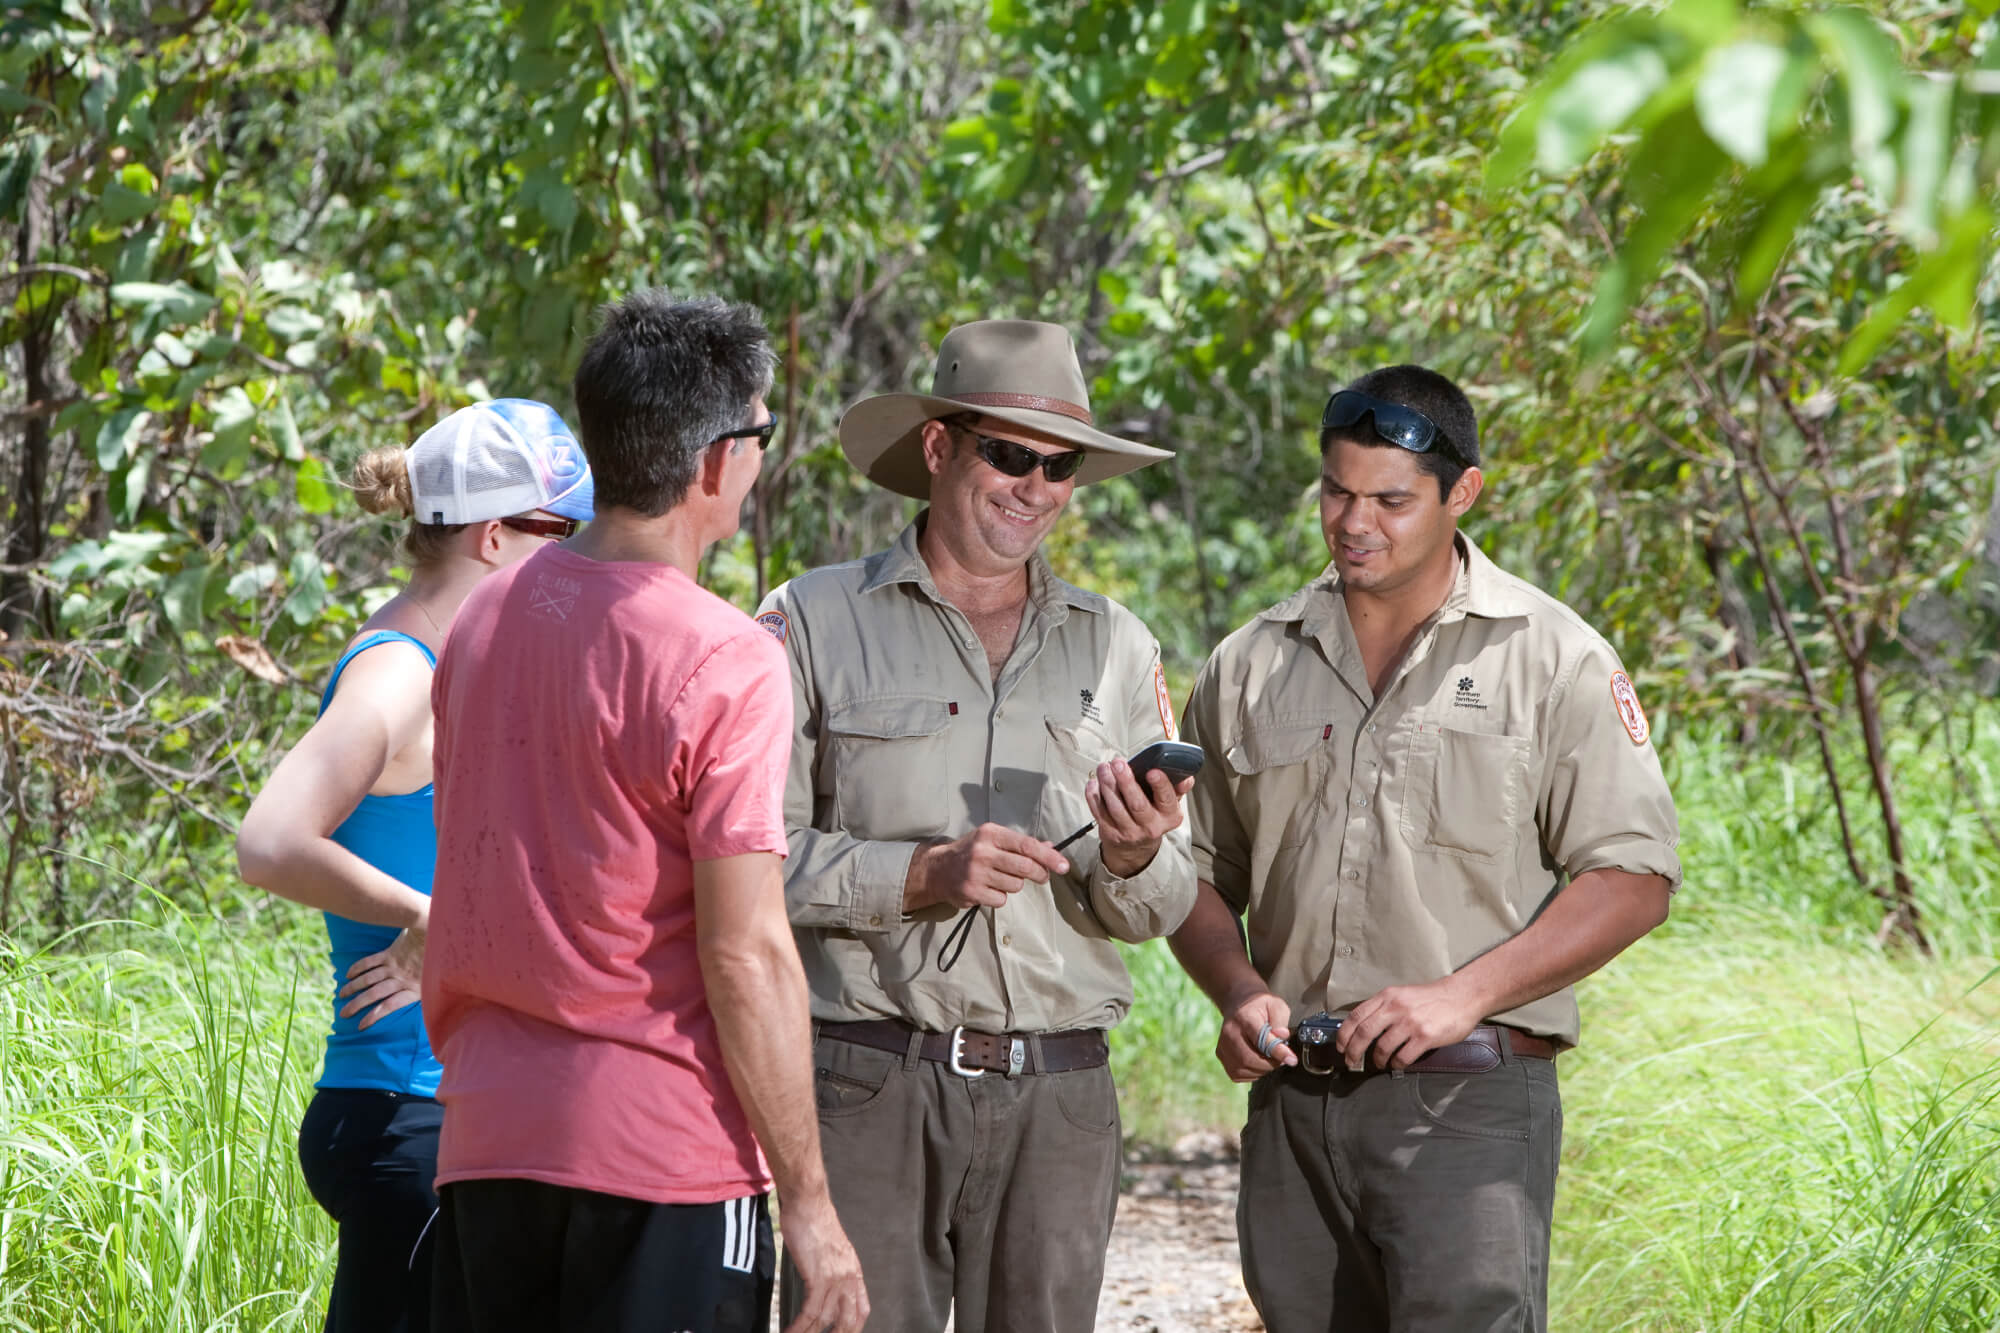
(1014, 370)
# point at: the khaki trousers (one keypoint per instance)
(1418, 1203)
(987, 1200)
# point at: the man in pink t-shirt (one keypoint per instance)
(610, 981)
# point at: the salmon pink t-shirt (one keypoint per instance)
(600, 727)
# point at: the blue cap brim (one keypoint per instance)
(578, 502)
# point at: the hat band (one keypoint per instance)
(1031, 401)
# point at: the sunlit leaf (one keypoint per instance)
(120, 432)
(177, 300)
(315, 496)
(1733, 98)
(1871, 75)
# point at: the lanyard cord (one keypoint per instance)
(961, 930)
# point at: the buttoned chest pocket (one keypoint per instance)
(1282, 773)
(890, 769)
(1466, 794)
(1072, 754)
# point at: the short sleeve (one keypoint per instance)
(732, 732)
(1604, 801)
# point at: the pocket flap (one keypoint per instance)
(889, 717)
(1084, 740)
(1274, 747)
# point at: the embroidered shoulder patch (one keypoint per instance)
(1626, 700)
(1166, 702)
(775, 622)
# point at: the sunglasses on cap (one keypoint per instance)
(1018, 460)
(559, 529)
(1404, 427)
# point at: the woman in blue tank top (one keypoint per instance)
(344, 825)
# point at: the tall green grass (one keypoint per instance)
(1771, 1123)
(151, 1082)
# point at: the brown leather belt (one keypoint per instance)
(974, 1053)
(1478, 1053)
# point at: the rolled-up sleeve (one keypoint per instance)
(1604, 801)
(1155, 901)
(832, 880)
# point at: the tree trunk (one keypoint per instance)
(28, 523)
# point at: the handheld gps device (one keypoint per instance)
(1177, 759)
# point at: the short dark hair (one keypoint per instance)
(659, 381)
(1436, 397)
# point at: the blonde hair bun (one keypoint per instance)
(381, 482)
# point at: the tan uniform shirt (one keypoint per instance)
(902, 734)
(1378, 842)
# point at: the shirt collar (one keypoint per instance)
(902, 562)
(1482, 589)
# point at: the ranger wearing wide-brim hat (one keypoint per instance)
(1015, 371)
(958, 710)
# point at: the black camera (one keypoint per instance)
(1312, 1041)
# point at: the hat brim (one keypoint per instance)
(883, 438)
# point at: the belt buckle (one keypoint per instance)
(957, 1050)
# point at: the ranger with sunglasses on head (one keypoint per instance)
(1436, 806)
(957, 709)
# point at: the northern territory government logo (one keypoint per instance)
(1467, 695)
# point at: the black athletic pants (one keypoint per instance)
(369, 1159)
(520, 1256)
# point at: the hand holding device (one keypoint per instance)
(1177, 759)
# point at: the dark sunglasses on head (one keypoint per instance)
(557, 528)
(1404, 427)
(1018, 460)
(762, 434)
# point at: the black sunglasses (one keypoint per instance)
(1404, 427)
(762, 434)
(1018, 460)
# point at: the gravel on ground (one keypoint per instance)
(1173, 1262)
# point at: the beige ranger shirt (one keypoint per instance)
(903, 735)
(1378, 842)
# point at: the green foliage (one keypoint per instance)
(244, 246)
(1765, 111)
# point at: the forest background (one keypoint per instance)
(1717, 278)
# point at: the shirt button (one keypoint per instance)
(996, 784)
(1007, 940)
(1347, 951)
(1371, 728)
(1361, 801)
(1354, 874)
(874, 920)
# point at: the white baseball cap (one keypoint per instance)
(489, 460)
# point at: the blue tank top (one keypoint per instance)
(394, 834)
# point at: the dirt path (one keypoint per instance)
(1172, 1264)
